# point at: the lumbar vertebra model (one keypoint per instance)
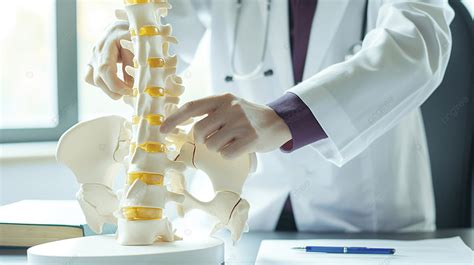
(149, 157)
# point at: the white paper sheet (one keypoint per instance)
(433, 251)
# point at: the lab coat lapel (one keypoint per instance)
(329, 14)
(279, 42)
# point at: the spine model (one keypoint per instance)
(150, 158)
(155, 92)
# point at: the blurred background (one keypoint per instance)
(44, 48)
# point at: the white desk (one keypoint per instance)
(246, 251)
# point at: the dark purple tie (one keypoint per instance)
(301, 18)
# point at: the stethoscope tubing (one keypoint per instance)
(235, 75)
(258, 69)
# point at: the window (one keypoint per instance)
(43, 54)
(38, 80)
(93, 17)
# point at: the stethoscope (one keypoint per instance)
(257, 71)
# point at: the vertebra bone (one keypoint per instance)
(148, 156)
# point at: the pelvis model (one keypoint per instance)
(98, 149)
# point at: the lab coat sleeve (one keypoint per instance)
(402, 61)
(189, 19)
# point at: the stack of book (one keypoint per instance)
(32, 222)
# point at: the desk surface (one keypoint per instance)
(246, 250)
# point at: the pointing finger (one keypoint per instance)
(189, 110)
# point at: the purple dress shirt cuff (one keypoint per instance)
(304, 127)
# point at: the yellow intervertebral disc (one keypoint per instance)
(156, 62)
(153, 147)
(145, 31)
(148, 178)
(153, 119)
(150, 147)
(155, 91)
(138, 2)
(149, 31)
(142, 213)
(152, 91)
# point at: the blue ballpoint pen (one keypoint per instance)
(348, 250)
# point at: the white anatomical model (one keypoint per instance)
(97, 150)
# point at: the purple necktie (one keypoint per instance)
(301, 18)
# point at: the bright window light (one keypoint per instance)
(28, 87)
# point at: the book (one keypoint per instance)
(31, 222)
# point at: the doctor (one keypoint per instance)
(290, 74)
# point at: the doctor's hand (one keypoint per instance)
(233, 126)
(106, 53)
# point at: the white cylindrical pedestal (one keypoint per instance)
(104, 249)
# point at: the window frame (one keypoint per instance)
(67, 86)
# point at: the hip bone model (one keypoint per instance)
(98, 149)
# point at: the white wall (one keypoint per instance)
(35, 178)
(30, 171)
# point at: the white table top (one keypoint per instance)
(246, 250)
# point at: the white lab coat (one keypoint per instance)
(372, 173)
